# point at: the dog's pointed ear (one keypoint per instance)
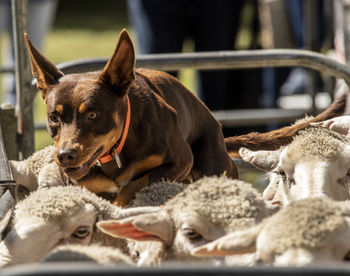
(45, 72)
(119, 72)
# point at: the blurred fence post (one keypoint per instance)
(310, 41)
(24, 92)
(8, 123)
(346, 28)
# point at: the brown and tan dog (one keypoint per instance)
(142, 125)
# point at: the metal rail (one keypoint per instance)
(225, 60)
(7, 69)
(230, 60)
(245, 117)
(186, 269)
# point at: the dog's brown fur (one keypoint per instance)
(272, 140)
(172, 134)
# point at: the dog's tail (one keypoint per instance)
(272, 140)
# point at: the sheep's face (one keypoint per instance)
(176, 237)
(33, 237)
(316, 231)
(204, 211)
(334, 248)
(315, 164)
(193, 230)
(316, 177)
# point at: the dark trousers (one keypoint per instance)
(162, 26)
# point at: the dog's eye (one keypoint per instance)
(191, 234)
(81, 232)
(53, 118)
(92, 115)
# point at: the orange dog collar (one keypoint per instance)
(114, 152)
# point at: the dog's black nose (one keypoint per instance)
(67, 156)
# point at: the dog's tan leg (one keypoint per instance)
(170, 170)
(129, 191)
(97, 182)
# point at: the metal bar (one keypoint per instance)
(187, 269)
(23, 80)
(229, 60)
(346, 28)
(225, 60)
(245, 117)
(257, 117)
(7, 69)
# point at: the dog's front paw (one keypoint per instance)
(122, 200)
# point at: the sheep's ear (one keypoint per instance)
(130, 212)
(339, 124)
(119, 71)
(45, 72)
(240, 242)
(265, 160)
(146, 227)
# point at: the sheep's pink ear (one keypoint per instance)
(240, 242)
(135, 211)
(119, 71)
(45, 72)
(265, 160)
(146, 227)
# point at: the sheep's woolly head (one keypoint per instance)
(204, 211)
(157, 193)
(309, 225)
(54, 216)
(59, 202)
(317, 142)
(311, 230)
(221, 200)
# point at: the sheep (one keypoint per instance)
(306, 231)
(103, 255)
(315, 164)
(58, 215)
(207, 209)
